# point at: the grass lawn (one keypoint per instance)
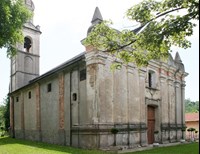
(15, 146)
(191, 148)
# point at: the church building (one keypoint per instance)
(82, 103)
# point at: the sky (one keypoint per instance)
(65, 23)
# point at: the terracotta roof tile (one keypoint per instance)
(192, 117)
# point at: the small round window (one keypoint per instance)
(27, 44)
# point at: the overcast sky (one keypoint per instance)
(64, 24)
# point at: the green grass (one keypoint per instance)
(191, 148)
(15, 146)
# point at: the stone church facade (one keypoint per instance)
(82, 103)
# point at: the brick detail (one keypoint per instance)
(159, 70)
(38, 109)
(89, 48)
(164, 72)
(61, 101)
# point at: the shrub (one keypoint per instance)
(114, 130)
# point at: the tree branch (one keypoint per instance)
(164, 13)
(143, 25)
(121, 47)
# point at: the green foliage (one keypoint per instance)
(183, 129)
(2, 121)
(114, 130)
(5, 115)
(163, 24)
(191, 107)
(2, 110)
(191, 129)
(12, 17)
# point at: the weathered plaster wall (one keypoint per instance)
(50, 110)
(76, 110)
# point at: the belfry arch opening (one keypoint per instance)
(27, 44)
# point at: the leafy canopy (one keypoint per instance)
(5, 114)
(162, 24)
(191, 106)
(13, 14)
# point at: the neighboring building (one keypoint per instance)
(79, 102)
(192, 121)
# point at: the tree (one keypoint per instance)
(191, 106)
(6, 114)
(191, 132)
(12, 17)
(162, 24)
(2, 110)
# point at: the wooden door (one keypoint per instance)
(151, 124)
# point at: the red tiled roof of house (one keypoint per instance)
(192, 117)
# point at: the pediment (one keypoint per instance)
(31, 26)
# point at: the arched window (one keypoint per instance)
(27, 44)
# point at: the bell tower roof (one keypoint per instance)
(30, 5)
(178, 58)
(97, 18)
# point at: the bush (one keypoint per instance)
(114, 130)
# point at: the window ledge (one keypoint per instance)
(151, 88)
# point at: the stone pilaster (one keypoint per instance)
(22, 115)
(143, 107)
(38, 107)
(38, 111)
(183, 107)
(178, 101)
(164, 98)
(170, 88)
(12, 129)
(92, 66)
(142, 74)
(61, 131)
(183, 100)
(133, 95)
(61, 101)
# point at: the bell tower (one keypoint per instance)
(25, 64)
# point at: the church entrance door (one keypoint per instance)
(151, 124)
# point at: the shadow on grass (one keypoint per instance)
(45, 146)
